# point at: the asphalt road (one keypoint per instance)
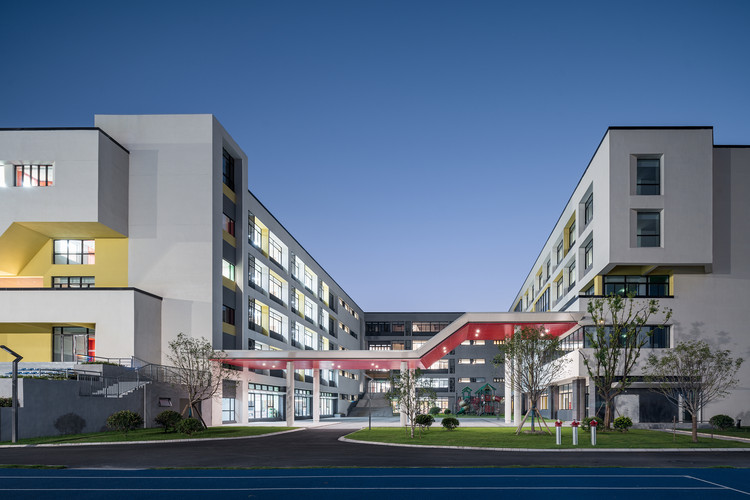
(319, 447)
(364, 483)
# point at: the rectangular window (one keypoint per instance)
(588, 212)
(640, 286)
(309, 310)
(560, 288)
(559, 252)
(228, 170)
(227, 314)
(73, 282)
(35, 175)
(274, 322)
(274, 250)
(572, 274)
(255, 315)
(566, 397)
(227, 410)
(308, 279)
(648, 176)
(256, 273)
(74, 252)
(254, 232)
(227, 270)
(648, 229)
(589, 254)
(228, 224)
(571, 235)
(274, 286)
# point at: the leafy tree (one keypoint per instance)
(409, 390)
(450, 423)
(536, 361)
(616, 340)
(198, 369)
(694, 374)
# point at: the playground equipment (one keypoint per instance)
(482, 402)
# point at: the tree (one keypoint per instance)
(621, 330)
(536, 361)
(198, 369)
(694, 375)
(410, 391)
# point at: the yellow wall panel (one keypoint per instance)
(32, 346)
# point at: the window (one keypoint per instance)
(256, 274)
(274, 322)
(309, 310)
(572, 274)
(566, 397)
(588, 212)
(254, 232)
(379, 346)
(73, 282)
(640, 286)
(416, 344)
(227, 270)
(548, 273)
(74, 252)
(427, 327)
(572, 234)
(255, 315)
(35, 175)
(227, 314)
(559, 252)
(440, 364)
(274, 286)
(560, 288)
(544, 401)
(648, 229)
(308, 279)
(227, 410)
(228, 170)
(274, 250)
(588, 254)
(228, 224)
(647, 176)
(72, 343)
(472, 361)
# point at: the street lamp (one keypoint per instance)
(14, 414)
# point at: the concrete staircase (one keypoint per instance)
(381, 406)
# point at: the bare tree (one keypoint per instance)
(693, 375)
(536, 360)
(410, 391)
(198, 369)
(621, 330)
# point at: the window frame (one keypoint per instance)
(33, 172)
(640, 237)
(86, 258)
(647, 188)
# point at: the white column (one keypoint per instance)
(214, 419)
(290, 393)
(316, 395)
(241, 399)
(680, 409)
(516, 407)
(402, 414)
(508, 393)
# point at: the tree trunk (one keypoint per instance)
(607, 411)
(694, 418)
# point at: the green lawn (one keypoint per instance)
(743, 432)
(505, 437)
(151, 435)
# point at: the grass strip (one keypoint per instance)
(505, 437)
(151, 435)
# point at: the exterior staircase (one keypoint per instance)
(380, 405)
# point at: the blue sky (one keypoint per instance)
(421, 151)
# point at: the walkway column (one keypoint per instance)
(402, 414)
(680, 409)
(508, 392)
(316, 395)
(516, 407)
(290, 394)
(241, 397)
(214, 403)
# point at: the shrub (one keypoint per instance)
(168, 419)
(434, 410)
(623, 423)
(124, 421)
(447, 411)
(189, 426)
(6, 402)
(70, 423)
(424, 421)
(450, 423)
(721, 422)
(586, 423)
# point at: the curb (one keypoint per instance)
(156, 441)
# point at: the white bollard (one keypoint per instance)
(575, 425)
(593, 433)
(558, 432)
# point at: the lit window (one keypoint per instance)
(228, 224)
(256, 274)
(309, 310)
(255, 233)
(73, 282)
(274, 286)
(308, 279)
(227, 270)
(648, 229)
(274, 250)
(35, 175)
(255, 314)
(647, 176)
(274, 322)
(74, 252)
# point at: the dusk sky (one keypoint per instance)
(421, 151)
